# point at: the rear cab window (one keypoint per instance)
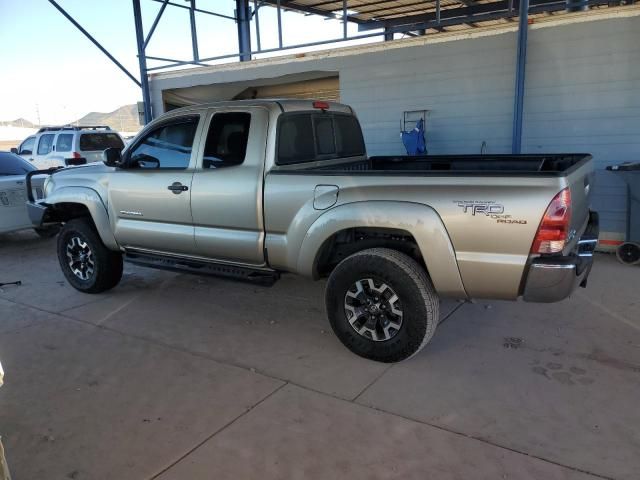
(91, 142)
(313, 136)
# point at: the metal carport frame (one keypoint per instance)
(374, 18)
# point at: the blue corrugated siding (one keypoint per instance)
(582, 94)
(464, 84)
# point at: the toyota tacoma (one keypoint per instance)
(254, 189)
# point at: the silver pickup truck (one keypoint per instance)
(253, 189)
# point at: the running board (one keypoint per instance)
(265, 278)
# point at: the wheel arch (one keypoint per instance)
(398, 225)
(75, 202)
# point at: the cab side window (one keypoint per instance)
(227, 139)
(45, 143)
(63, 142)
(27, 146)
(167, 146)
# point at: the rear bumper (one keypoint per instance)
(551, 279)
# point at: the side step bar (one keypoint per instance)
(259, 277)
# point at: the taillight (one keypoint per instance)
(76, 155)
(321, 105)
(553, 231)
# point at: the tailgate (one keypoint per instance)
(579, 182)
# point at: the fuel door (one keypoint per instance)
(325, 196)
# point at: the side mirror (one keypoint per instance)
(112, 157)
(14, 150)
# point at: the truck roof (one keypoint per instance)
(282, 104)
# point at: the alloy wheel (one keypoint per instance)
(80, 258)
(373, 309)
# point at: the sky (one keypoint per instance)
(52, 74)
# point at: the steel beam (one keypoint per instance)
(198, 10)
(95, 42)
(174, 60)
(243, 14)
(155, 23)
(279, 13)
(142, 61)
(194, 30)
(521, 64)
(344, 19)
(256, 10)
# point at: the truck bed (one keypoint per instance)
(493, 165)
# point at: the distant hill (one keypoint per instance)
(18, 122)
(124, 119)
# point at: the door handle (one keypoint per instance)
(177, 188)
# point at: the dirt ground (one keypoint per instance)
(9, 144)
(173, 376)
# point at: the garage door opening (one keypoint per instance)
(308, 85)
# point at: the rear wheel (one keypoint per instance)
(629, 253)
(382, 305)
(88, 265)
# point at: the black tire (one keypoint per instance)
(628, 253)
(47, 232)
(389, 270)
(99, 270)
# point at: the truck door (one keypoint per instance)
(226, 200)
(44, 148)
(150, 199)
(13, 209)
(61, 149)
(26, 148)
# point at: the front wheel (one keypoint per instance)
(86, 262)
(382, 305)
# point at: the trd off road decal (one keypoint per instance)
(489, 209)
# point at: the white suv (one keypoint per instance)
(68, 145)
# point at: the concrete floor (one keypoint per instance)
(181, 377)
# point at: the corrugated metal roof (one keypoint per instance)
(376, 9)
(367, 12)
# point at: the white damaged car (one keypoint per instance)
(13, 194)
